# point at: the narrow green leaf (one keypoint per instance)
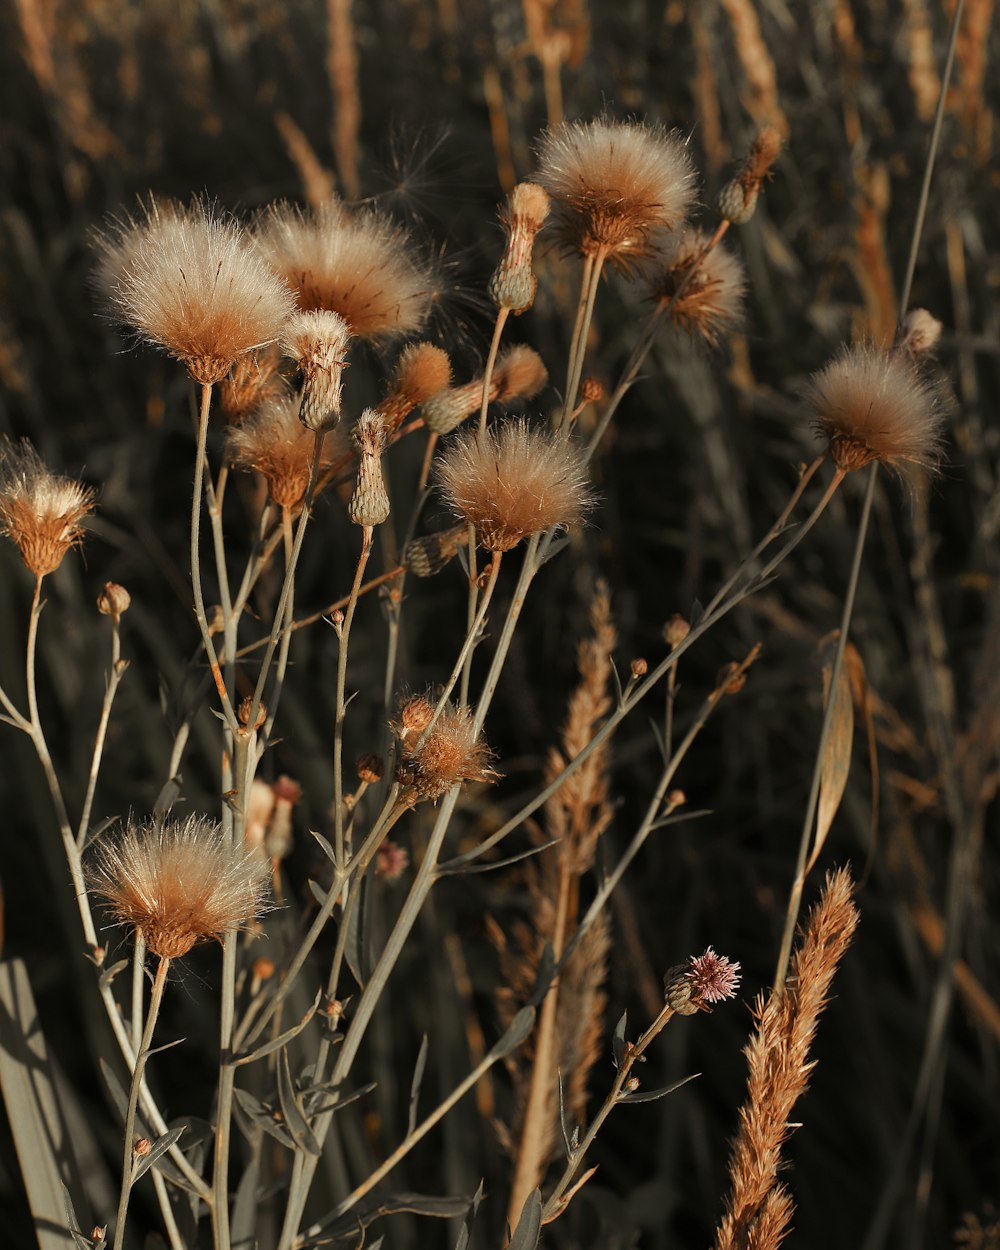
(282, 1039)
(158, 1149)
(418, 1076)
(529, 1226)
(618, 1040)
(470, 1218)
(517, 1032)
(654, 1094)
(292, 1109)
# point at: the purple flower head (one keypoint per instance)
(714, 978)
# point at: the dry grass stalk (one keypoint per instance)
(761, 102)
(569, 1033)
(342, 68)
(317, 181)
(759, 1207)
(870, 262)
(705, 91)
(971, 53)
(923, 75)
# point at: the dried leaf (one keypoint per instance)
(837, 753)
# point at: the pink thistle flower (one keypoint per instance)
(713, 977)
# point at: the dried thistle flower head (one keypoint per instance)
(422, 371)
(710, 303)
(704, 979)
(114, 600)
(370, 502)
(275, 443)
(514, 481)
(178, 883)
(452, 752)
(519, 373)
(40, 511)
(428, 555)
(513, 284)
(919, 332)
(190, 282)
(317, 341)
(254, 379)
(616, 187)
(360, 265)
(871, 404)
(738, 198)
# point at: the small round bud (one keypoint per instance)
(414, 717)
(98, 1234)
(263, 968)
(639, 669)
(142, 1147)
(336, 618)
(370, 768)
(113, 600)
(244, 710)
(676, 798)
(631, 1085)
(483, 579)
(676, 630)
(334, 1010)
(592, 390)
(919, 332)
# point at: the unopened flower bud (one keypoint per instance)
(142, 1147)
(592, 391)
(98, 1233)
(919, 332)
(737, 203)
(317, 341)
(676, 798)
(631, 1085)
(370, 502)
(113, 600)
(738, 198)
(513, 284)
(676, 630)
(428, 555)
(639, 669)
(263, 968)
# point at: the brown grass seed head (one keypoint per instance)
(178, 883)
(617, 187)
(360, 265)
(871, 404)
(192, 284)
(41, 512)
(513, 481)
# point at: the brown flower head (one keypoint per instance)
(711, 301)
(40, 511)
(317, 342)
(871, 404)
(189, 282)
(276, 444)
(738, 198)
(360, 265)
(370, 502)
(519, 374)
(178, 883)
(616, 187)
(254, 379)
(451, 752)
(514, 481)
(422, 371)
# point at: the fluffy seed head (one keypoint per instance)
(370, 502)
(919, 332)
(513, 284)
(451, 752)
(616, 187)
(252, 381)
(40, 511)
(317, 341)
(276, 444)
(178, 883)
(711, 302)
(871, 404)
(189, 282)
(514, 481)
(360, 265)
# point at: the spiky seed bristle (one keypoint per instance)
(276, 444)
(360, 265)
(189, 282)
(514, 481)
(452, 752)
(41, 512)
(711, 301)
(871, 404)
(616, 187)
(178, 883)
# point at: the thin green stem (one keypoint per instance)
(805, 837)
(110, 690)
(156, 996)
(344, 639)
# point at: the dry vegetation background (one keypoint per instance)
(430, 110)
